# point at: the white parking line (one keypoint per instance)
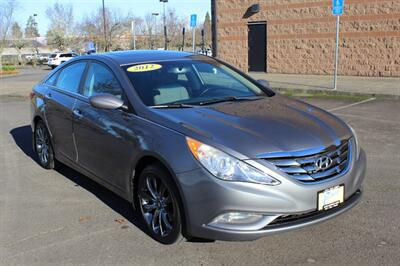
(350, 105)
(369, 118)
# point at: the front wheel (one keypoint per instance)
(43, 147)
(159, 206)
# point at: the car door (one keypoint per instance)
(102, 136)
(60, 99)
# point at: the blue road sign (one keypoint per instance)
(90, 46)
(337, 7)
(193, 20)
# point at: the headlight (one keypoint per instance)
(356, 143)
(226, 167)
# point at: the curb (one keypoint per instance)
(322, 92)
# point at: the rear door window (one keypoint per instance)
(70, 76)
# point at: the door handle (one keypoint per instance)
(78, 113)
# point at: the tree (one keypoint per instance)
(31, 30)
(92, 28)
(150, 22)
(7, 13)
(60, 31)
(175, 25)
(207, 30)
(17, 39)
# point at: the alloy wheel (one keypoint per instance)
(157, 206)
(42, 144)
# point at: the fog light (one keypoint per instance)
(237, 218)
(242, 221)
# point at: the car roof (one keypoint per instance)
(140, 56)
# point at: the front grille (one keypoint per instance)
(305, 168)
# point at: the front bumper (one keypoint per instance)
(206, 197)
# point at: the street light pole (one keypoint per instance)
(104, 29)
(165, 26)
(155, 26)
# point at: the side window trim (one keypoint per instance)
(83, 78)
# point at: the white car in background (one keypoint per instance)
(57, 59)
(31, 57)
(44, 57)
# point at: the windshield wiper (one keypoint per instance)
(172, 105)
(230, 99)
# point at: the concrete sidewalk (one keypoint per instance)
(347, 84)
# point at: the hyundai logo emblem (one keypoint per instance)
(323, 163)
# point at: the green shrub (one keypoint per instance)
(8, 68)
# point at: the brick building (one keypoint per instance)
(298, 36)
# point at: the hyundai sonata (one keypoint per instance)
(198, 147)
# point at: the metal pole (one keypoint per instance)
(105, 29)
(202, 41)
(194, 38)
(183, 38)
(133, 34)
(155, 31)
(336, 52)
(165, 29)
(214, 28)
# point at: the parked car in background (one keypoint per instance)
(31, 57)
(57, 59)
(200, 148)
(206, 52)
(44, 57)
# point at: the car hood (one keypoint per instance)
(269, 127)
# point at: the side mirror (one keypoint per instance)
(264, 83)
(106, 101)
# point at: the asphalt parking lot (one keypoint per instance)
(62, 217)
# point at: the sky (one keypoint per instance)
(81, 8)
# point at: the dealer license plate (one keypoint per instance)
(330, 198)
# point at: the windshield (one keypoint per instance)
(190, 82)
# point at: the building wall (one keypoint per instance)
(301, 36)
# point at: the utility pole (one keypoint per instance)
(165, 26)
(105, 29)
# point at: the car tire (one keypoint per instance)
(159, 204)
(43, 147)
(53, 67)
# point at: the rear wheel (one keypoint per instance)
(43, 147)
(159, 206)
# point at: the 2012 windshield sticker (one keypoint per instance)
(144, 68)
